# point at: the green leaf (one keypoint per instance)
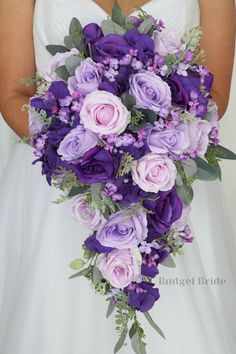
(62, 72)
(120, 342)
(136, 128)
(117, 15)
(54, 49)
(68, 41)
(185, 193)
(72, 63)
(109, 27)
(82, 273)
(205, 171)
(179, 180)
(128, 100)
(150, 115)
(146, 25)
(153, 324)
(169, 262)
(77, 264)
(138, 345)
(77, 190)
(75, 28)
(132, 331)
(190, 167)
(96, 189)
(97, 275)
(218, 171)
(111, 308)
(224, 153)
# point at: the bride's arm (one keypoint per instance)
(16, 61)
(218, 23)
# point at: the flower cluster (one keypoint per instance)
(125, 126)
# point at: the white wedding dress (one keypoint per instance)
(41, 311)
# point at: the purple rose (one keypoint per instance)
(143, 296)
(142, 42)
(174, 140)
(86, 79)
(92, 33)
(120, 267)
(94, 246)
(76, 143)
(180, 96)
(111, 45)
(122, 231)
(151, 92)
(167, 208)
(97, 165)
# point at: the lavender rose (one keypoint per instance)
(120, 267)
(97, 165)
(198, 134)
(154, 173)
(104, 114)
(82, 212)
(122, 231)
(59, 60)
(166, 42)
(86, 79)
(76, 143)
(174, 140)
(150, 92)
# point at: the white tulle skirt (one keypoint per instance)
(43, 312)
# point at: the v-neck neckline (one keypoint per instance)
(131, 14)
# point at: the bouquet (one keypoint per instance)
(123, 124)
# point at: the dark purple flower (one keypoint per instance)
(112, 45)
(167, 209)
(180, 96)
(59, 89)
(143, 297)
(97, 165)
(95, 246)
(142, 42)
(92, 33)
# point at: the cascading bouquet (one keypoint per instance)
(124, 124)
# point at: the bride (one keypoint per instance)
(41, 311)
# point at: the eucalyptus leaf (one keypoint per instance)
(62, 72)
(82, 273)
(153, 324)
(169, 262)
(224, 153)
(185, 193)
(132, 331)
(117, 15)
(136, 128)
(120, 342)
(77, 264)
(179, 180)
(128, 100)
(190, 167)
(109, 27)
(111, 308)
(150, 115)
(218, 171)
(75, 27)
(138, 345)
(72, 63)
(146, 25)
(54, 49)
(96, 189)
(97, 275)
(205, 171)
(68, 41)
(77, 190)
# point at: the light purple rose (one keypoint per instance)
(35, 124)
(76, 143)
(104, 113)
(198, 134)
(87, 78)
(58, 60)
(122, 231)
(84, 214)
(120, 267)
(154, 173)
(174, 140)
(166, 42)
(150, 92)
